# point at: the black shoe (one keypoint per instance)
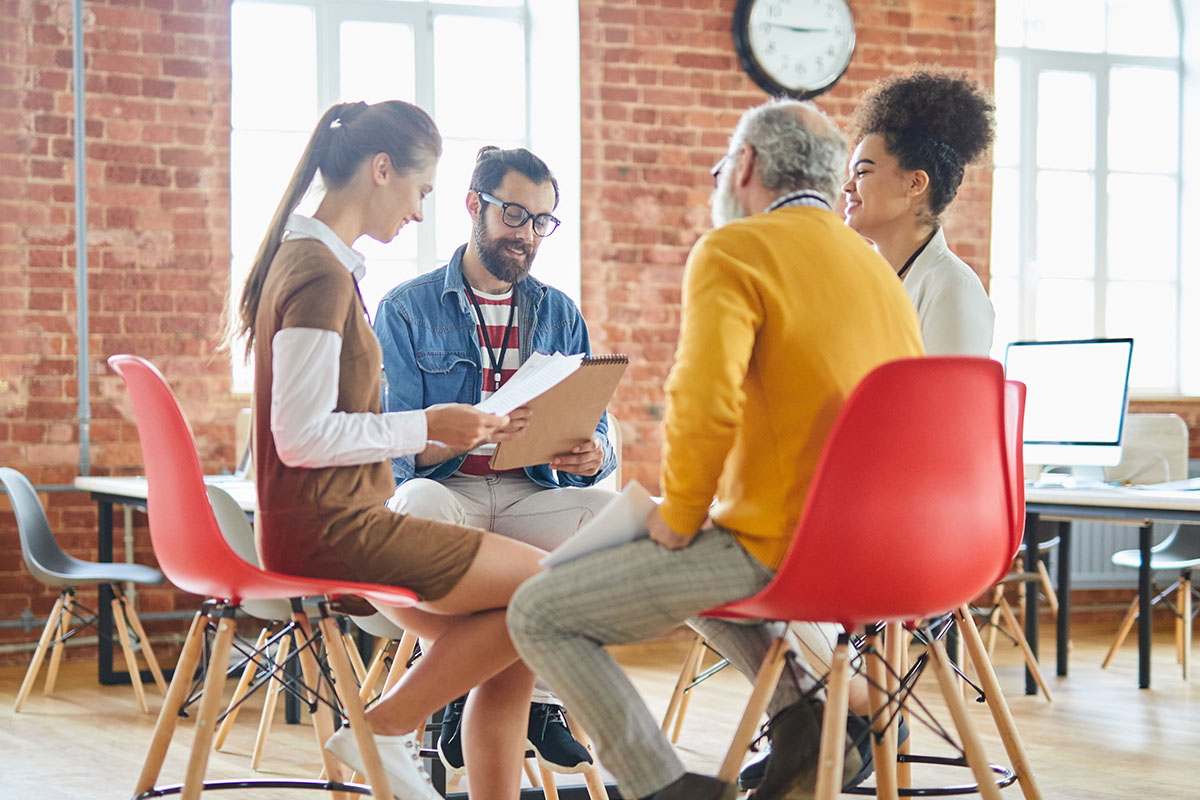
(553, 742)
(752, 774)
(449, 744)
(696, 787)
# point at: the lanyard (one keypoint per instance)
(483, 332)
(913, 257)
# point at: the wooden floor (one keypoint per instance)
(1101, 738)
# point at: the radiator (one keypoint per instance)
(1092, 546)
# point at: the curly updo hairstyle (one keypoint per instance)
(934, 121)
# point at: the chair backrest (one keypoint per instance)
(1154, 449)
(239, 533)
(45, 559)
(187, 540)
(910, 510)
(1014, 425)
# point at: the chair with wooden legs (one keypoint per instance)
(53, 567)
(1179, 551)
(275, 614)
(897, 467)
(195, 557)
(400, 645)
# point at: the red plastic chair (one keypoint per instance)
(194, 555)
(910, 515)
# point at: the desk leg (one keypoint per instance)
(1145, 611)
(1031, 598)
(104, 552)
(1064, 596)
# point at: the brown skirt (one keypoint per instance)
(372, 545)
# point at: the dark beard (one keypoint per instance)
(502, 266)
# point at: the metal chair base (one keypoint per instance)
(259, 783)
(1007, 778)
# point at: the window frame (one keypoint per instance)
(1030, 63)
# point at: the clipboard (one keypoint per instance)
(565, 414)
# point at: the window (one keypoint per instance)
(483, 70)
(1088, 183)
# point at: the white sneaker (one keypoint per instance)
(401, 761)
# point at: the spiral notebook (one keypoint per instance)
(564, 415)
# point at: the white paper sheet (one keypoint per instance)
(539, 373)
(623, 520)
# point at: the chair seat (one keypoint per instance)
(75, 572)
(1163, 559)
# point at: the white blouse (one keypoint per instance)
(305, 366)
(956, 314)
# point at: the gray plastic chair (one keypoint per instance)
(50, 565)
(239, 533)
(1181, 551)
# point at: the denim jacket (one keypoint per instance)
(427, 330)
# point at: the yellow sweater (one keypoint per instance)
(783, 314)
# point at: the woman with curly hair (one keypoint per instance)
(916, 133)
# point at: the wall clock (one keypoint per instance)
(795, 48)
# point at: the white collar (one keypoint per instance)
(300, 227)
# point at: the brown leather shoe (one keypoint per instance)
(795, 734)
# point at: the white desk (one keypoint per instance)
(1122, 506)
(133, 491)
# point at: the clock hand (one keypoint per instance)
(797, 28)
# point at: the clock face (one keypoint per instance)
(796, 47)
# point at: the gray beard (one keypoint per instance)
(725, 207)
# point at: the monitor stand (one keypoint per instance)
(1071, 476)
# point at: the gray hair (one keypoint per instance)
(790, 154)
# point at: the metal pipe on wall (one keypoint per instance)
(81, 285)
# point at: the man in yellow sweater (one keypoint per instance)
(785, 309)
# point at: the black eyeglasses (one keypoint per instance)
(515, 215)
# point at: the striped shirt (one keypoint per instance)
(496, 309)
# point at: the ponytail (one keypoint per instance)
(346, 134)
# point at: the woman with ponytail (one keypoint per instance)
(916, 133)
(323, 450)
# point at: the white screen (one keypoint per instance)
(1075, 393)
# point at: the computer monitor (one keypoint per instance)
(1076, 394)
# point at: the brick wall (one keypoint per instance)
(661, 90)
(157, 135)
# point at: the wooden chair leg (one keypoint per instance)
(356, 662)
(686, 697)
(549, 790)
(833, 727)
(322, 716)
(374, 670)
(239, 692)
(591, 776)
(135, 672)
(884, 738)
(168, 715)
(268, 711)
(209, 706)
(39, 653)
(1122, 632)
(1048, 586)
(1185, 584)
(404, 651)
(896, 643)
(686, 671)
(998, 706)
(135, 622)
(343, 673)
(993, 620)
(1030, 659)
(972, 746)
(764, 687)
(60, 631)
(530, 766)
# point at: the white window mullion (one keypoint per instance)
(1100, 170)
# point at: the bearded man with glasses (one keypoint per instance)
(455, 335)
